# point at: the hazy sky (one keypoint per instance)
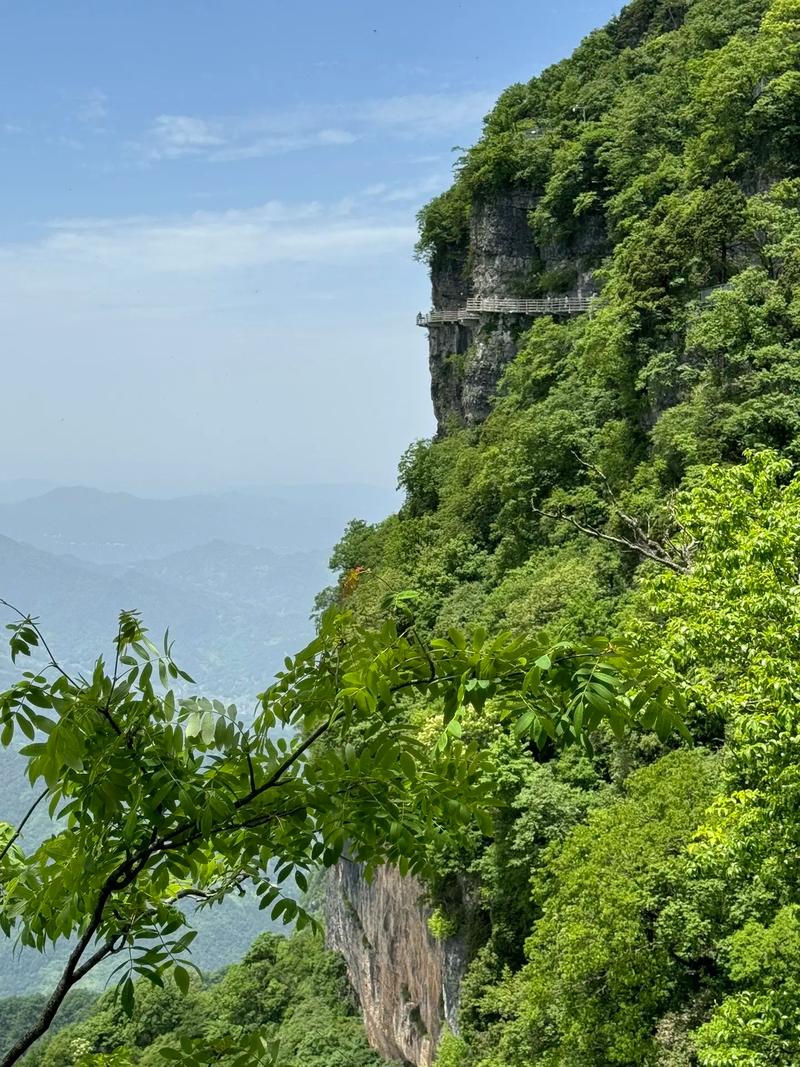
(206, 270)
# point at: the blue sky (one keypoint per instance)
(207, 225)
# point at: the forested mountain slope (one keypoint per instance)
(292, 986)
(635, 905)
(630, 471)
(674, 133)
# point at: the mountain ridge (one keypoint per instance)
(121, 527)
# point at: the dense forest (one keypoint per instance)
(290, 985)
(636, 476)
(609, 823)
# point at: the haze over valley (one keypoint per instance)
(232, 575)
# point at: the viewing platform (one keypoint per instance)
(507, 305)
(433, 318)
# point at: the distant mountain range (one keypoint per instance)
(233, 576)
(234, 611)
(23, 488)
(103, 527)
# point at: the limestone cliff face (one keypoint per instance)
(406, 982)
(501, 259)
(501, 245)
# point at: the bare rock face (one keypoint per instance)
(467, 358)
(448, 352)
(406, 982)
(501, 243)
(450, 284)
(495, 343)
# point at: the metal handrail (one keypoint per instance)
(509, 305)
(517, 305)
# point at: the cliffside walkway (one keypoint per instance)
(507, 305)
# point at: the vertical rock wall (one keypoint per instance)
(501, 243)
(407, 983)
(467, 359)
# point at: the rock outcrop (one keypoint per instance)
(407, 983)
(500, 259)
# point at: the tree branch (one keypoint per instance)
(250, 772)
(74, 970)
(21, 826)
(630, 521)
(127, 872)
(32, 623)
(657, 554)
(105, 711)
(284, 766)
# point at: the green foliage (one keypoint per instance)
(452, 1051)
(441, 925)
(108, 1030)
(161, 799)
(287, 1002)
(443, 227)
(17, 1014)
(670, 95)
(691, 355)
(600, 968)
(758, 1025)
(728, 625)
(668, 920)
(664, 155)
(654, 892)
(729, 629)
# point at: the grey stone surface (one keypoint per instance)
(502, 248)
(467, 359)
(407, 983)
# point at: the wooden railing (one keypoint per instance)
(507, 305)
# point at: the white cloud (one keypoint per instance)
(412, 192)
(131, 261)
(180, 135)
(427, 113)
(94, 108)
(282, 145)
(230, 138)
(221, 140)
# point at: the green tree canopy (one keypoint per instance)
(161, 798)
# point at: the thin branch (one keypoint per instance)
(630, 521)
(110, 720)
(17, 833)
(109, 947)
(657, 554)
(284, 766)
(251, 773)
(191, 893)
(414, 683)
(426, 654)
(32, 623)
(105, 711)
(74, 969)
